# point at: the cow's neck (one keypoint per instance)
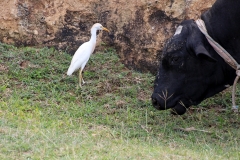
(223, 23)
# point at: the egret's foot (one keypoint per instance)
(83, 82)
(80, 85)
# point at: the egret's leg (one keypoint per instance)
(80, 78)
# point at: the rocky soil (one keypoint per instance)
(138, 28)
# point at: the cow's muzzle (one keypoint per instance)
(160, 104)
(157, 102)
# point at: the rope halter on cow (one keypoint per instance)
(225, 55)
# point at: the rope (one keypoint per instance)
(225, 55)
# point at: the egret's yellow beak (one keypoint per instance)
(105, 29)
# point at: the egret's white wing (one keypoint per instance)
(81, 57)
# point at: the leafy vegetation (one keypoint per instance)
(44, 115)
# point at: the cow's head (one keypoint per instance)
(189, 72)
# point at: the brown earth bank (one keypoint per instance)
(138, 28)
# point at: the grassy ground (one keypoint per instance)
(44, 116)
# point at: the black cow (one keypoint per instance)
(191, 70)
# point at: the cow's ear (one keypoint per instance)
(201, 52)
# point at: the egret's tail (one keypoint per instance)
(70, 71)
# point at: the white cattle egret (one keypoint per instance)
(84, 52)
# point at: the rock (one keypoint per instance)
(138, 28)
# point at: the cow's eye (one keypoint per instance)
(175, 59)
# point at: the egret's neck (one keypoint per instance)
(93, 35)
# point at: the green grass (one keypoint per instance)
(43, 115)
